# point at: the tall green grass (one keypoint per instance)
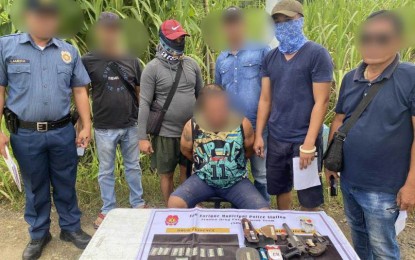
(332, 23)
(335, 24)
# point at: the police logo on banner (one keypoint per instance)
(66, 56)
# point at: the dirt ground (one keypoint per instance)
(14, 236)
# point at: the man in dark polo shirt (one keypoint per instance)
(378, 178)
(296, 81)
(115, 110)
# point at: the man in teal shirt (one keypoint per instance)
(218, 142)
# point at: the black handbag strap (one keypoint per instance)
(364, 103)
(131, 89)
(173, 87)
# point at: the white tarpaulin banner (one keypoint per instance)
(175, 224)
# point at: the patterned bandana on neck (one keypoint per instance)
(290, 35)
(165, 55)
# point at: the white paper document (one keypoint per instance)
(401, 221)
(305, 178)
(11, 165)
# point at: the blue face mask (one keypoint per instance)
(290, 35)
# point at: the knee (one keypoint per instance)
(176, 202)
(104, 174)
(166, 177)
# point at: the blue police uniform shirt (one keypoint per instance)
(240, 75)
(377, 149)
(292, 89)
(39, 82)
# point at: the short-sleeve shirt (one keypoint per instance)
(292, 89)
(240, 75)
(112, 103)
(377, 149)
(39, 82)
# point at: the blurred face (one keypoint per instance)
(378, 41)
(234, 31)
(109, 37)
(216, 111)
(43, 25)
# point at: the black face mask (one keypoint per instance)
(170, 46)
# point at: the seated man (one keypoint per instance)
(219, 143)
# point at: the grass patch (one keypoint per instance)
(332, 23)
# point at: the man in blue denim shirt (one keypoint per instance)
(238, 71)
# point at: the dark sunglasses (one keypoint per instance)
(378, 39)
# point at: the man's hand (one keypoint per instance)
(146, 147)
(406, 198)
(4, 140)
(84, 137)
(259, 147)
(329, 174)
(306, 158)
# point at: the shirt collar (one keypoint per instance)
(386, 74)
(228, 52)
(25, 38)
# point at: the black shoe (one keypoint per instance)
(79, 238)
(35, 247)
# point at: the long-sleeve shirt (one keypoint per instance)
(156, 81)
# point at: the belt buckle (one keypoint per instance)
(42, 126)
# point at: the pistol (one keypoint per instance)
(320, 245)
(296, 246)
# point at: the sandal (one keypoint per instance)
(99, 220)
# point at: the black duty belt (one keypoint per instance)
(45, 126)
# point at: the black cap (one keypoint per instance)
(43, 6)
(232, 14)
(109, 19)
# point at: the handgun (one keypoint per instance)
(296, 246)
(319, 245)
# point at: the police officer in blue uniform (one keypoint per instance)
(40, 73)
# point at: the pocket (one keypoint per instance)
(19, 75)
(224, 69)
(250, 69)
(64, 76)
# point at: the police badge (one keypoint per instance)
(66, 57)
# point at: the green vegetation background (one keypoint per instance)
(332, 23)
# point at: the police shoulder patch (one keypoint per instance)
(66, 56)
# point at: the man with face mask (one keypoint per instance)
(156, 81)
(41, 73)
(296, 82)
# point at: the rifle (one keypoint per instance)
(296, 246)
